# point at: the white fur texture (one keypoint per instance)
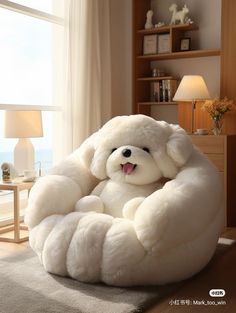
(104, 215)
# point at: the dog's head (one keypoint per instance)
(136, 149)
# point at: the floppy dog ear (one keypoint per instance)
(99, 161)
(166, 165)
(94, 157)
(179, 146)
(175, 152)
(87, 150)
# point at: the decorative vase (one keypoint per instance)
(218, 123)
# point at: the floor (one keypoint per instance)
(193, 296)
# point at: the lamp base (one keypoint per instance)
(24, 155)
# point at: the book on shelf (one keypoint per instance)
(163, 90)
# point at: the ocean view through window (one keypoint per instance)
(44, 156)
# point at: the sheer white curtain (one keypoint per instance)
(87, 102)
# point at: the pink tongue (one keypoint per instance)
(128, 168)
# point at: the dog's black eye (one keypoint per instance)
(114, 149)
(146, 149)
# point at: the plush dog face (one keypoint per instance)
(132, 165)
(136, 149)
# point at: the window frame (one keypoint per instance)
(19, 8)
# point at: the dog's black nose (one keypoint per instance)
(126, 153)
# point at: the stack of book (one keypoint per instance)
(163, 90)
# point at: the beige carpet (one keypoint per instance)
(26, 288)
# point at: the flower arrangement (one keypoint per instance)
(216, 109)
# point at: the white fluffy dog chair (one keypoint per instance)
(106, 215)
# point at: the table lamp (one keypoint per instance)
(23, 125)
(192, 88)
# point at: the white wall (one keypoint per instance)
(121, 51)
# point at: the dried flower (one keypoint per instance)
(218, 107)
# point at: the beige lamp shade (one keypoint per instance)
(192, 87)
(23, 124)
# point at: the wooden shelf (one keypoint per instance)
(167, 29)
(156, 78)
(143, 83)
(181, 55)
(157, 103)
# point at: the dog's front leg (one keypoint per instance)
(89, 203)
(131, 206)
(92, 202)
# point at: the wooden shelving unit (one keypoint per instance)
(181, 55)
(219, 149)
(168, 29)
(154, 78)
(157, 103)
(142, 63)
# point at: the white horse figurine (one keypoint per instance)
(178, 15)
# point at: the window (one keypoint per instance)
(31, 51)
(47, 6)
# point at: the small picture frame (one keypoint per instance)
(185, 44)
(163, 43)
(149, 44)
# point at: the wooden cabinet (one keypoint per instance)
(221, 150)
(142, 64)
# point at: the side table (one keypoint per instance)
(16, 187)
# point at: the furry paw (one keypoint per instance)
(131, 206)
(89, 203)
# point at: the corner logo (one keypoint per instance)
(217, 293)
